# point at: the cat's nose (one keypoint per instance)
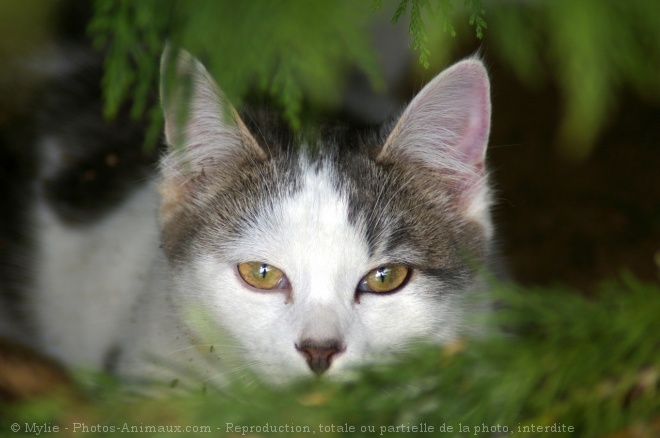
(319, 354)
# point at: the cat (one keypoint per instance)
(258, 251)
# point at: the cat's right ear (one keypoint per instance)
(204, 132)
(202, 129)
(445, 128)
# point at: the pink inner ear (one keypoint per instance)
(446, 128)
(465, 91)
(475, 138)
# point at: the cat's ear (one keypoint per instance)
(445, 128)
(202, 129)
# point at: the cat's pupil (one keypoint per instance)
(381, 274)
(263, 270)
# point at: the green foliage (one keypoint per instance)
(132, 33)
(288, 50)
(299, 52)
(420, 39)
(563, 360)
(594, 48)
(417, 28)
(477, 13)
(295, 51)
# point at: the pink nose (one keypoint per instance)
(319, 354)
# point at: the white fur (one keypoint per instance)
(88, 277)
(324, 257)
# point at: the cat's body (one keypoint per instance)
(176, 277)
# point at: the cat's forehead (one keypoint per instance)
(307, 231)
(338, 192)
(296, 196)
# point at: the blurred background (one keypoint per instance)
(574, 151)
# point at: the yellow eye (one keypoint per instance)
(384, 279)
(262, 275)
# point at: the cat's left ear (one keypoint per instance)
(202, 129)
(445, 128)
(206, 137)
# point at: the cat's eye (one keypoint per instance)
(262, 275)
(385, 279)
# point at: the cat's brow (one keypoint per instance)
(383, 187)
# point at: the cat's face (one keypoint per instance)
(319, 259)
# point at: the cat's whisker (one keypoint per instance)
(233, 371)
(401, 187)
(208, 347)
(379, 217)
(374, 211)
(259, 131)
(263, 177)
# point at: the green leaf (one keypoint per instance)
(400, 11)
